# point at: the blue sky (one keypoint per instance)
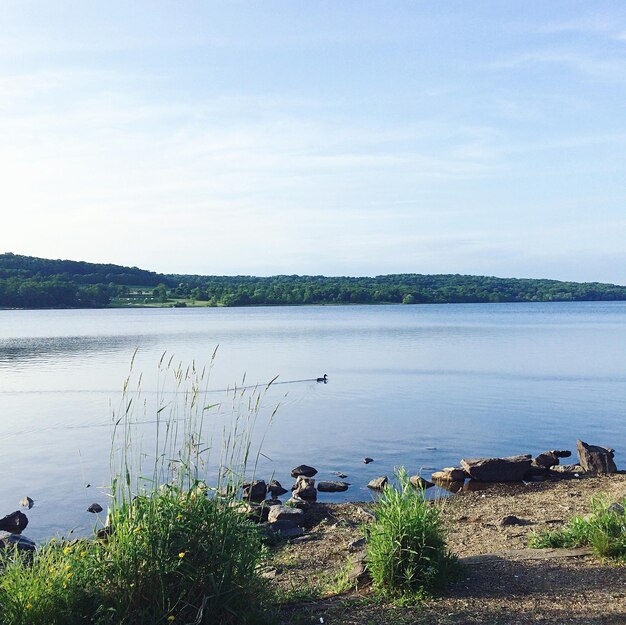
(343, 138)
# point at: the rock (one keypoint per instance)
(367, 460)
(561, 453)
(272, 502)
(27, 502)
(14, 523)
(275, 488)
(449, 474)
(510, 469)
(452, 486)
(367, 514)
(340, 475)
(255, 491)
(566, 469)
(21, 543)
(286, 513)
(378, 483)
(290, 532)
(305, 470)
(357, 571)
(546, 460)
(511, 519)
(595, 459)
(305, 488)
(417, 481)
(259, 513)
(94, 508)
(357, 545)
(269, 573)
(298, 502)
(332, 487)
(615, 508)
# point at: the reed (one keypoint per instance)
(175, 550)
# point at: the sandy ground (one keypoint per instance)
(510, 587)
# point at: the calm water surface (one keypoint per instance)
(420, 386)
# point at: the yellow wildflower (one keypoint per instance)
(171, 618)
(182, 554)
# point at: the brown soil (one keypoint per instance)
(510, 587)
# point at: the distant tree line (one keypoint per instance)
(28, 282)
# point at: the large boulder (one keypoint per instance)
(14, 523)
(510, 469)
(595, 459)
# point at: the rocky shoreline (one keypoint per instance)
(260, 499)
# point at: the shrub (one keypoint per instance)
(407, 554)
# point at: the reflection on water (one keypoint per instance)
(419, 386)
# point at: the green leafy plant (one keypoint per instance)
(407, 554)
(603, 529)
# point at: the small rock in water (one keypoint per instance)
(27, 502)
(367, 460)
(378, 483)
(332, 487)
(94, 508)
(340, 475)
(303, 469)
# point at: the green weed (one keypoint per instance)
(603, 530)
(407, 554)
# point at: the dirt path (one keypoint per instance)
(512, 586)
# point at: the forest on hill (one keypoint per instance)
(30, 282)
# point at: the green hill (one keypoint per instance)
(30, 282)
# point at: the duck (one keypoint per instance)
(324, 379)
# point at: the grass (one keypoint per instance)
(175, 551)
(603, 529)
(407, 555)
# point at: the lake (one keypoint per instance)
(418, 386)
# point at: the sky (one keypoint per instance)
(339, 138)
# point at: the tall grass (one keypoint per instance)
(603, 529)
(174, 550)
(407, 554)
